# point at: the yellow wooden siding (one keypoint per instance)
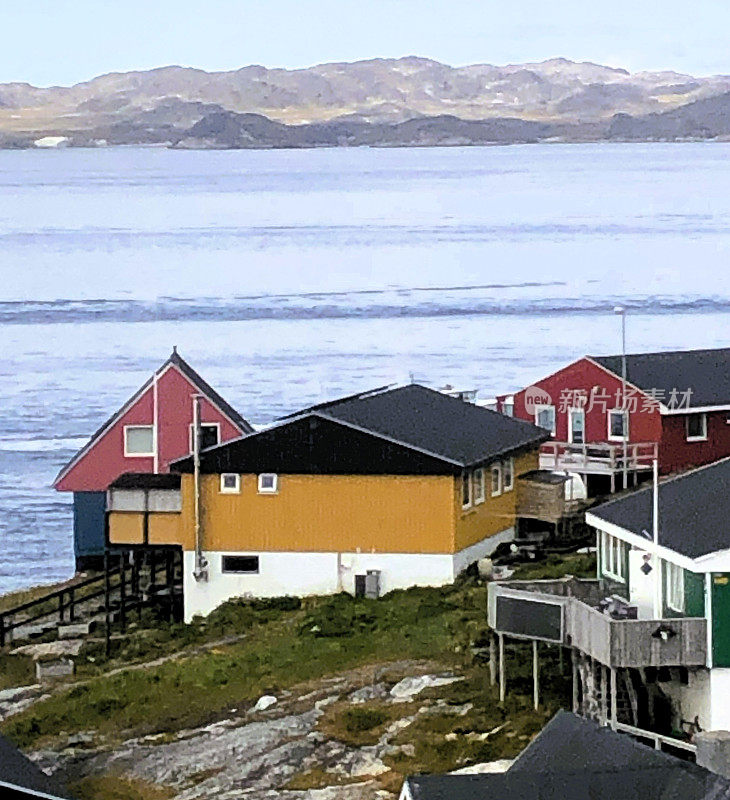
(495, 514)
(126, 528)
(326, 513)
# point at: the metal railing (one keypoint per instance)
(597, 457)
(658, 739)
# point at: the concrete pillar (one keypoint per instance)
(713, 751)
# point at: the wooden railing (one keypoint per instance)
(597, 457)
(613, 642)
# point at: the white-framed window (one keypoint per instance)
(139, 441)
(696, 427)
(613, 562)
(496, 471)
(478, 485)
(268, 483)
(466, 489)
(545, 418)
(674, 582)
(210, 435)
(230, 483)
(576, 426)
(618, 425)
(508, 475)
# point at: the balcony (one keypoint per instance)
(597, 458)
(567, 612)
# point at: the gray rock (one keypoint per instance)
(409, 687)
(379, 691)
(264, 702)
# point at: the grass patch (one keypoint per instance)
(318, 778)
(16, 671)
(282, 648)
(118, 787)
(580, 565)
(361, 724)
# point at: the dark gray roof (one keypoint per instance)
(694, 511)
(432, 421)
(20, 771)
(146, 480)
(705, 372)
(574, 759)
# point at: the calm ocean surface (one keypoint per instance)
(289, 277)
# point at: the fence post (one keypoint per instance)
(60, 607)
(2, 630)
(71, 605)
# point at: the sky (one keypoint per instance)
(60, 42)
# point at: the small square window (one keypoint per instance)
(696, 427)
(545, 418)
(139, 440)
(209, 435)
(496, 480)
(508, 475)
(240, 564)
(230, 483)
(268, 483)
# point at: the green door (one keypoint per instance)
(720, 619)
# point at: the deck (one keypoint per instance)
(565, 612)
(598, 458)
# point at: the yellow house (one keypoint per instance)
(384, 490)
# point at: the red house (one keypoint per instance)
(675, 407)
(153, 428)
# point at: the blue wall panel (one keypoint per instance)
(89, 514)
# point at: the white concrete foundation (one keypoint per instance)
(300, 574)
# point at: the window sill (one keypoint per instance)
(696, 439)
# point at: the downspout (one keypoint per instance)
(200, 573)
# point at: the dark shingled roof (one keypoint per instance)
(705, 372)
(694, 511)
(146, 480)
(18, 770)
(432, 421)
(574, 759)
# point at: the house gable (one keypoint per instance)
(103, 459)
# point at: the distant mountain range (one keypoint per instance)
(380, 102)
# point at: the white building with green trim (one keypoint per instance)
(650, 636)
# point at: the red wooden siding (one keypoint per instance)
(105, 460)
(676, 453)
(585, 375)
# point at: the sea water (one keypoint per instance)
(290, 277)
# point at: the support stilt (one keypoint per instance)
(502, 677)
(492, 660)
(535, 676)
(614, 711)
(574, 665)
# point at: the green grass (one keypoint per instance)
(579, 565)
(16, 671)
(281, 648)
(118, 787)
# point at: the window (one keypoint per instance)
(618, 424)
(696, 427)
(209, 435)
(496, 479)
(268, 483)
(230, 483)
(576, 425)
(248, 564)
(674, 582)
(478, 485)
(465, 489)
(613, 552)
(508, 475)
(139, 440)
(545, 418)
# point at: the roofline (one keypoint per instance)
(693, 564)
(109, 424)
(36, 792)
(592, 359)
(666, 411)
